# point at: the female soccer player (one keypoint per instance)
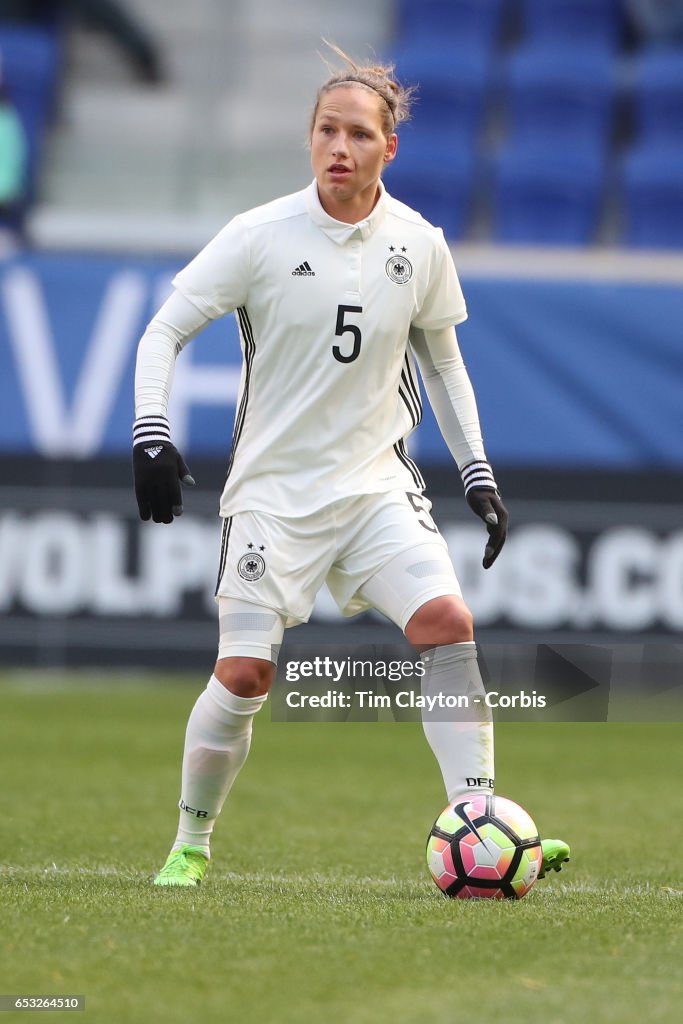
(336, 289)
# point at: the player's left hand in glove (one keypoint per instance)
(483, 497)
(158, 470)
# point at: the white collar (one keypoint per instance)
(337, 230)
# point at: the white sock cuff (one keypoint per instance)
(452, 676)
(450, 653)
(231, 703)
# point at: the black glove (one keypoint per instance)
(158, 469)
(484, 499)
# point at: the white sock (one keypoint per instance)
(217, 742)
(461, 739)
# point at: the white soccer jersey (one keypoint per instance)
(328, 392)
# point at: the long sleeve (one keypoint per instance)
(450, 392)
(176, 323)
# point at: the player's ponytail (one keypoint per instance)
(379, 78)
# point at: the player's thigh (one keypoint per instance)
(395, 558)
(250, 637)
(275, 563)
(412, 582)
(247, 630)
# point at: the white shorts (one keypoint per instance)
(280, 564)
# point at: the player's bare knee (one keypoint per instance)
(444, 620)
(245, 677)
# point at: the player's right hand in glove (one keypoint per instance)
(158, 470)
(483, 497)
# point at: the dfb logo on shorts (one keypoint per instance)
(251, 566)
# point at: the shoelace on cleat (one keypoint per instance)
(181, 862)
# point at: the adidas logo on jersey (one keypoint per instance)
(304, 270)
(153, 452)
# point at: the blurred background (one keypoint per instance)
(547, 141)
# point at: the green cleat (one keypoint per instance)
(555, 854)
(185, 866)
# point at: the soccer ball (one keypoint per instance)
(486, 847)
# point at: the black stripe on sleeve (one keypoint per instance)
(478, 474)
(151, 428)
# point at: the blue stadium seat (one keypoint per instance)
(548, 194)
(463, 22)
(560, 89)
(658, 95)
(584, 22)
(434, 173)
(31, 63)
(31, 60)
(652, 196)
(453, 87)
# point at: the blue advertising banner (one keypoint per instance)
(566, 373)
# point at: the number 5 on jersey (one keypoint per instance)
(344, 328)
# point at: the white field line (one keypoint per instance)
(609, 887)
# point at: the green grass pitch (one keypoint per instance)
(318, 905)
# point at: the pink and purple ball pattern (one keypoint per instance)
(484, 848)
